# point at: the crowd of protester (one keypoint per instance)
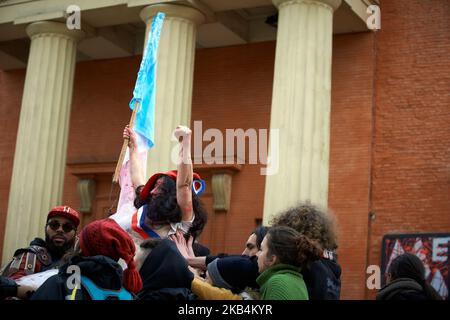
(154, 253)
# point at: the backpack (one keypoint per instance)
(97, 293)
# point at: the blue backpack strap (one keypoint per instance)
(97, 293)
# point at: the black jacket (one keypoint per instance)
(323, 279)
(165, 275)
(8, 288)
(35, 258)
(402, 289)
(103, 271)
(55, 258)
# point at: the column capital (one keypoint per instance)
(334, 4)
(51, 27)
(173, 10)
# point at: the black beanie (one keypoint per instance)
(234, 272)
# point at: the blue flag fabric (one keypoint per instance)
(144, 92)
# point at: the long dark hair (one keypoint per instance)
(164, 206)
(409, 266)
(201, 217)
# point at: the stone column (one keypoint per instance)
(41, 145)
(301, 104)
(174, 78)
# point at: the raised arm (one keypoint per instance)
(184, 176)
(136, 172)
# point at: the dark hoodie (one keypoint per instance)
(8, 288)
(402, 289)
(323, 279)
(103, 271)
(165, 275)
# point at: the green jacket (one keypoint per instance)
(282, 282)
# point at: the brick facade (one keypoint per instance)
(411, 158)
(11, 87)
(350, 153)
(389, 131)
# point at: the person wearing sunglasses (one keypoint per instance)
(42, 255)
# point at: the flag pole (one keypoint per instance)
(125, 145)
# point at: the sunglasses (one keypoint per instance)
(67, 227)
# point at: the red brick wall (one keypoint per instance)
(350, 153)
(11, 87)
(233, 89)
(102, 91)
(411, 163)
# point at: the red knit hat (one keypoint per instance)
(105, 237)
(172, 173)
(66, 212)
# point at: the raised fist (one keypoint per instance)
(181, 132)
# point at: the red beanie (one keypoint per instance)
(172, 173)
(105, 237)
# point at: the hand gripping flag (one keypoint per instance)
(144, 96)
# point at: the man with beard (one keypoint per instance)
(168, 201)
(60, 236)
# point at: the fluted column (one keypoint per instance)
(301, 104)
(175, 71)
(41, 145)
